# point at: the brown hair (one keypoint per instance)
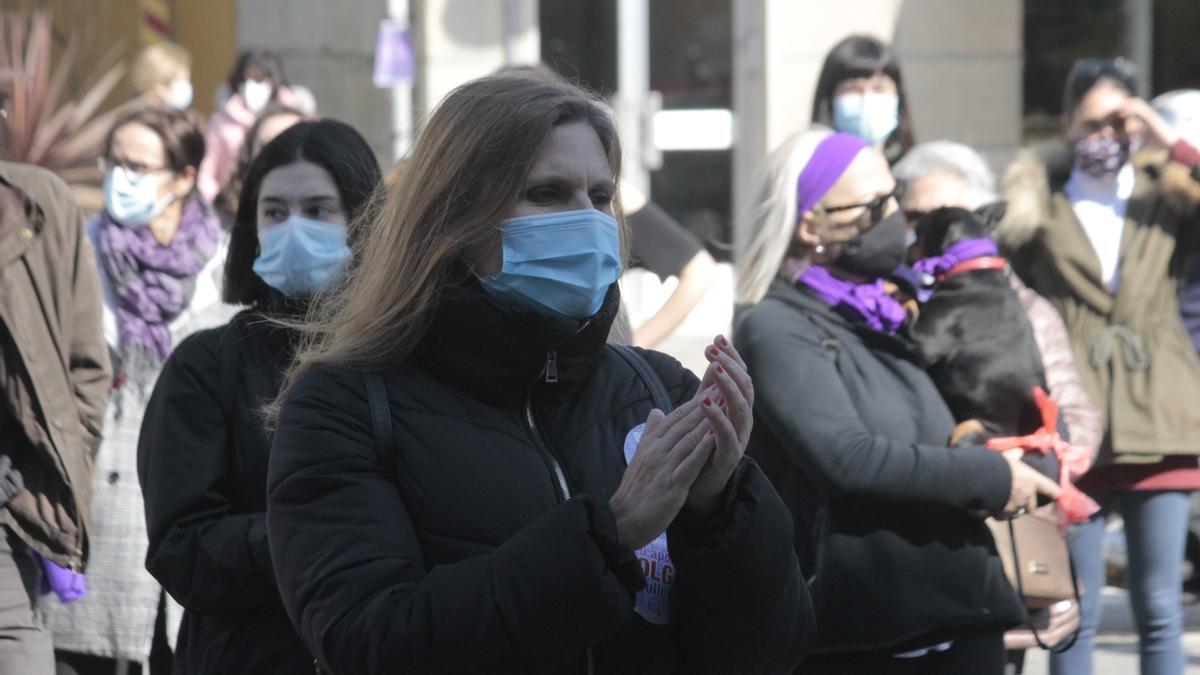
(182, 138)
(159, 63)
(464, 175)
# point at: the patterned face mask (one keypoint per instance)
(1102, 157)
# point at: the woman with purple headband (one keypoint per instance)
(851, 430)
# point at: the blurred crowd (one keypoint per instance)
(274, 409)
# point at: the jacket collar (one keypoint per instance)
(500, 351)
(15, 240)
(808, 303)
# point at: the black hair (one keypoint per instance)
(863, 56)
(332, 145)
(263, 59)
(1087, 73)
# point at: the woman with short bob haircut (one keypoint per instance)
(202, 454)
(463, 470)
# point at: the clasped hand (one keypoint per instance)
(685, 459)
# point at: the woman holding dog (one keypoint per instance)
(854, 434)
(1108, 247)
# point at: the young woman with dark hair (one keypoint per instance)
(159, 250)
(1108, 248)
(256, 81)
(202, 455)
(861, 92)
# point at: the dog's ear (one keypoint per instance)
(940, 228)
(991, 214)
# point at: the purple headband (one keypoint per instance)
(964, 249)
(828, 163)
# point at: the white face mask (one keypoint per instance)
(872, 117)
(180, 96)
(131, 198)
(256, 94)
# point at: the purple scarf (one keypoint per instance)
(66, 584)
(868, 302)
(961, 250)
(829, 161)
(154, 283)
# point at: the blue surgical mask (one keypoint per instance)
(131, 198)
(871, 117)
(301, 256)
(564, 261)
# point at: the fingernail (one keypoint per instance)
(710, 433)
(720, 369)
(713, 351)
(708, 401)
(721, 402)
(721, 339)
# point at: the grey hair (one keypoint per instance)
(953, 158)
(763, 236)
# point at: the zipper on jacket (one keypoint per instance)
(550, 375)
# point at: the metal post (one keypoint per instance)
(522, 37)
(633, 86)
(1137, 41)
(402, 92)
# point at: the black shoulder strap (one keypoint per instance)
(658, 390)
(381, 421)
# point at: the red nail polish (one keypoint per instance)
(723, 341)
(720, 369)
(721, 402)
(708, 401)
(710, 432)
(714, 352)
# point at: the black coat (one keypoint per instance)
(467, 558)
(202, 462)
(853, 434)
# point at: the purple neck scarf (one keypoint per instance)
(828, 163)
(154, 283)
(965, 249)
(868, 302)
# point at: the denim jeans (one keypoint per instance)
(1156, 525)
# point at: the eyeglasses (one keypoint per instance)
(874, 207)
(106, 163)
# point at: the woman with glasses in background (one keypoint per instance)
(853, 433)
(1108, 249)
(159, 250)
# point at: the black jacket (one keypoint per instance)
(853, 434)
(202, 462)
(467, 558)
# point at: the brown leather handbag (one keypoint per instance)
(1037, 561)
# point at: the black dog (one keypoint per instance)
(975, 336)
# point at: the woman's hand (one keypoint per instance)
(673, 450)
(1027, 484)
(1143, 115)
(731, 417)
(1053, 625)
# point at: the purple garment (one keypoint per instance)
(828, 163)
(868, 302)
(66, 584)
(965, 249)
(154, 283)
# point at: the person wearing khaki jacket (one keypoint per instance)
(55, 369)
(1107, 249)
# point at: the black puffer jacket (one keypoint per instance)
(202, 462)
(468, 559)
(852, 432)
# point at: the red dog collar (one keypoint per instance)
(986, 262)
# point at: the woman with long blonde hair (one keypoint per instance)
(466, 479)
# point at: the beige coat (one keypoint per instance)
(1135, 358)
(55, 369)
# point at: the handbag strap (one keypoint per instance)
(658, 390)
(381, 421)
(1060, 648)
